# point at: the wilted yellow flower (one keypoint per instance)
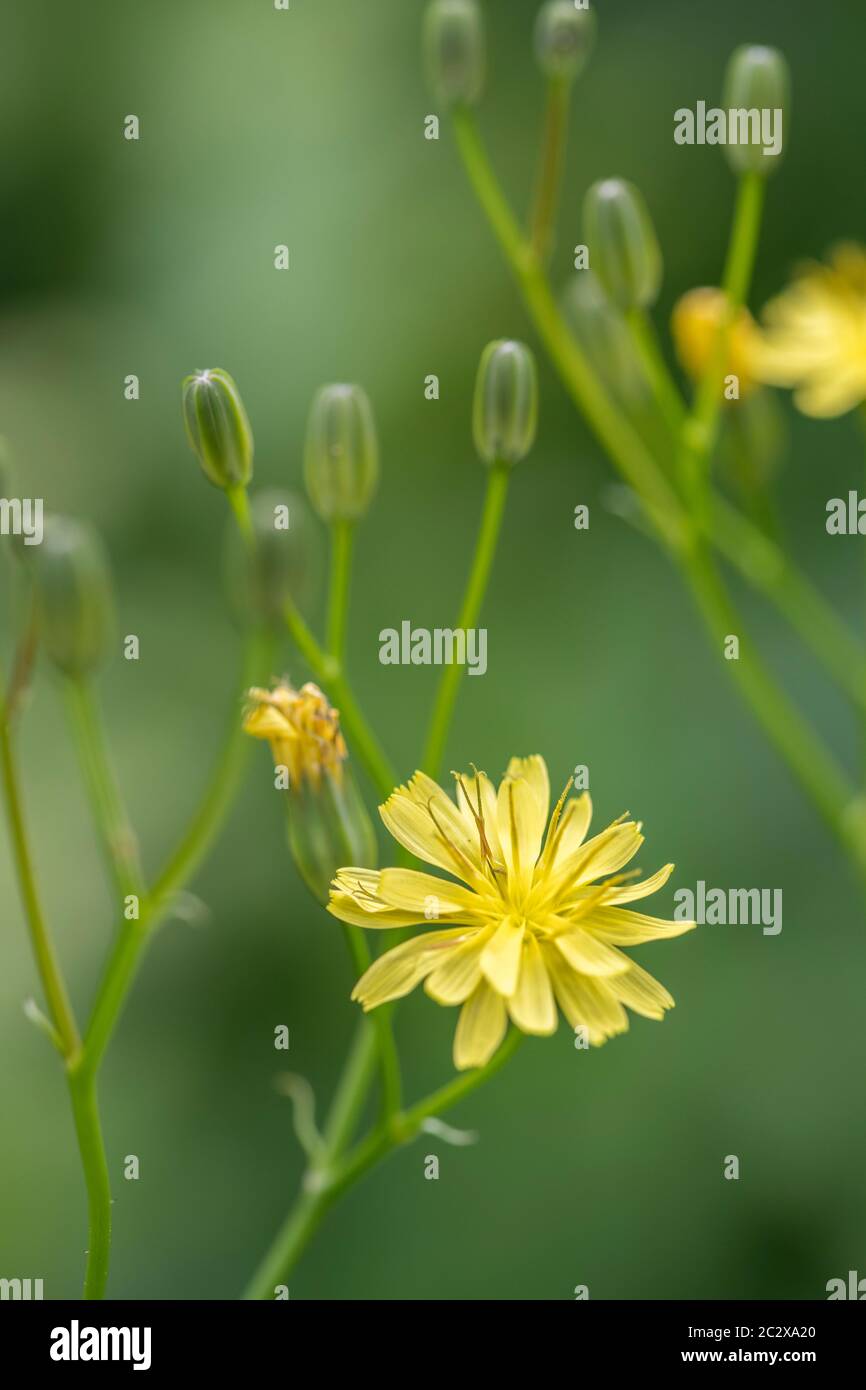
(532, 927)
(695, 324)
(815, 338)
(302, 729)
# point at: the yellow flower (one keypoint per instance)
(815, 338)
(528, 927)
(694, 325)
(302, 729)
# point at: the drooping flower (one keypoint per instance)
(536, 920)
(815, 339)
(327, 819)
(695, 323)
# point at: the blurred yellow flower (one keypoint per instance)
(815, 339)
(532, 927)
(695, 324)
(302, 729)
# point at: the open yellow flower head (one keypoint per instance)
(695, 323)
(302, 729)
(535, 922)
(815, 339)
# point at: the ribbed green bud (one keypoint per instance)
(623, 247)
(329, 829)
(757, 89)
(218, 429)
(564, 39)
(602, 332)
(281, 561)
(341, 458)
(73, 592)
(505, 410)
(454, 51)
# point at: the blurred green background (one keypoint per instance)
(155, 257)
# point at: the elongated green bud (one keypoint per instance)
(623, 248)
(341, 458)
(602, 332)
(280, 563)
(73, 592)
(564, 39)
(218, 429)
(329, 827)
(454, 51)
(505, 411)
(756, 99)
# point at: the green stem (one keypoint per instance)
(473, 598)
(701, 428)
(549, 180)
(342, 536)
(47, 962)
(85, 1111)
(116, 833)
(125, 957)
(353, 1087)
(328, 1182)
(656, 370)
(330, 673)
(381, 1023)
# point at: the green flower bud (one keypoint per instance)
(623, 246)
(218, 429)
(602, 332)
(454, 51)
(757, 87)
(341, 458)
(564, 39)
(281, 563)
(73, 593)
(329, 828)
(505, 411)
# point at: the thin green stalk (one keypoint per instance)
(656, 370)
(473, 598)
(116, 833)
(342, 536)
(353, 1087)
(328, 1181)
(47, 962)
(390, 1063)
(329, 671)
(125, 958)
(91, 1146)
(701, 429)
(557, 103)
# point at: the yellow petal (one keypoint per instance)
(534, 771)
(532, 1006)
(433, 830)
(630, 892)
(476, 798)
(427, 896)
(521, 825)
(585, 1002)
(355, 899)
(642, 993)
(480, 1028)
(454, 980)
(588, 956)
(397, 972)
(500, 960)
(619, 927)
(603, 854)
